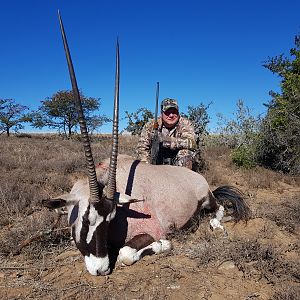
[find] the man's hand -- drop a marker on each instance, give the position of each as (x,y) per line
(176,143)
(155,146)
(157,136)
(166,141)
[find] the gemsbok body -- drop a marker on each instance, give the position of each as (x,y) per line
(132,206)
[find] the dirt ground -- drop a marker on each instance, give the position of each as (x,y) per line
(257,260)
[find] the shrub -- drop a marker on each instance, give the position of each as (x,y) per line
(241,134)
(279,147)
(243,156)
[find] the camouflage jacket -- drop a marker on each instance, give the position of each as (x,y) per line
(182,136)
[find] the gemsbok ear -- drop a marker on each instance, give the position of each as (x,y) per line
(54,203)
(125,199)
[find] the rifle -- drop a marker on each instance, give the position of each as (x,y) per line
(155,145)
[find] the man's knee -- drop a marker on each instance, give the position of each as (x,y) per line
(184,158)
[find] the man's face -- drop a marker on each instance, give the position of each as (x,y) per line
(170,117)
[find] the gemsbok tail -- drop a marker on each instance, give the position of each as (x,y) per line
(233,199)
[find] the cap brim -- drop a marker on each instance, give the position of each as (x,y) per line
(168,107)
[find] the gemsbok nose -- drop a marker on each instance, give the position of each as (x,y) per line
(97,265)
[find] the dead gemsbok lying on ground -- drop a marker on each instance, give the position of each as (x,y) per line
(129,205)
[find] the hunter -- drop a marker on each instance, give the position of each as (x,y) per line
(177,143)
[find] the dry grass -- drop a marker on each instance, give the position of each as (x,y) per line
(259,177)
(286,215)
(38,168)
(287,293)
(256,258)
(213,155)
(221,171)
(41,167)
(45,166)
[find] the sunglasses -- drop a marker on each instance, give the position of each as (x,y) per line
(173,111)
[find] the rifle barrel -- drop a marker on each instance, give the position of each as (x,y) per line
(155,141)
(156,106)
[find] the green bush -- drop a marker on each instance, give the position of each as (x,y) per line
(240,133)
(279,145)
(243,156)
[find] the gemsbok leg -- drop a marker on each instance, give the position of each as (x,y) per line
(226,195)
(139,246)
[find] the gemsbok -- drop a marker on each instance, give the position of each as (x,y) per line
(129,205)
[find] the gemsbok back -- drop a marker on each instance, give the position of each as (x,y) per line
(129,205)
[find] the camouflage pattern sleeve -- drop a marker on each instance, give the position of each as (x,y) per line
(185,137)
(144,144)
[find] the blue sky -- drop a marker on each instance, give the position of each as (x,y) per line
(199,51)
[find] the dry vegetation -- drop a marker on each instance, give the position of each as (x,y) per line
(257,260)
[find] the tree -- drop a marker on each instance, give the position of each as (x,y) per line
(137,120)
(242,128)
(12,116)
(198,115)
(200,119)
(59,112)
(279,146)
(241,134)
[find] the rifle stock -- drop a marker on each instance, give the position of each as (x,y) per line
(155,144)
(155,147)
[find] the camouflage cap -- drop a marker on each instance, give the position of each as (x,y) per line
(168,103)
